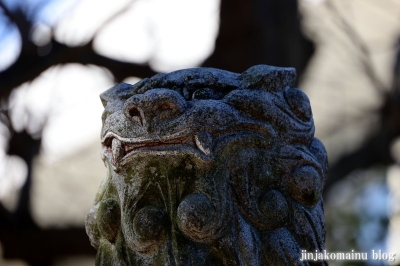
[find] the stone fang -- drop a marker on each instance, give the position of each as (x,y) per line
(203,140)
(117,149)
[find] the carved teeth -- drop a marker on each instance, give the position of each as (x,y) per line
(117,149)
(204,141)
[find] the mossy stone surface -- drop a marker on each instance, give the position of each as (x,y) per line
(209,167)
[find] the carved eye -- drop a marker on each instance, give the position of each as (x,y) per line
(166,110)
(165,107)
(206,93)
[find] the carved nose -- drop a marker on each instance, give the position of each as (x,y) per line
(154,106)
(133,112)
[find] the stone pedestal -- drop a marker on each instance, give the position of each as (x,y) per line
(209,167)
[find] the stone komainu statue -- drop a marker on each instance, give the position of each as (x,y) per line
(209,167)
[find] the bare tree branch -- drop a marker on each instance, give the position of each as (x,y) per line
(19,18)
(124,9)
(365,58)
(377,149)
(30,64)
(27,68)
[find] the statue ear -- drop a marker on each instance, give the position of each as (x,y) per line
(104,99)
(269,78)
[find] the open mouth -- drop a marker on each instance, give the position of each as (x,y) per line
(117,148)
(199,141)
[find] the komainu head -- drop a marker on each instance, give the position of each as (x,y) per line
(209,167)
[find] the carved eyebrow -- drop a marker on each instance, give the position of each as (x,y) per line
(207,93)
(192,80)
(269,78)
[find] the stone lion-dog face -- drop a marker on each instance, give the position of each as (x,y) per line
(209,167)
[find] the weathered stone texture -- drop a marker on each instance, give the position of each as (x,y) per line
(209,167)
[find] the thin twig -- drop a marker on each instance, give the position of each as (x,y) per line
(365,59)
(124,9)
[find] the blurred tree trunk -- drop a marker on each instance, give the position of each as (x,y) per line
(260,32)
(22,144)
